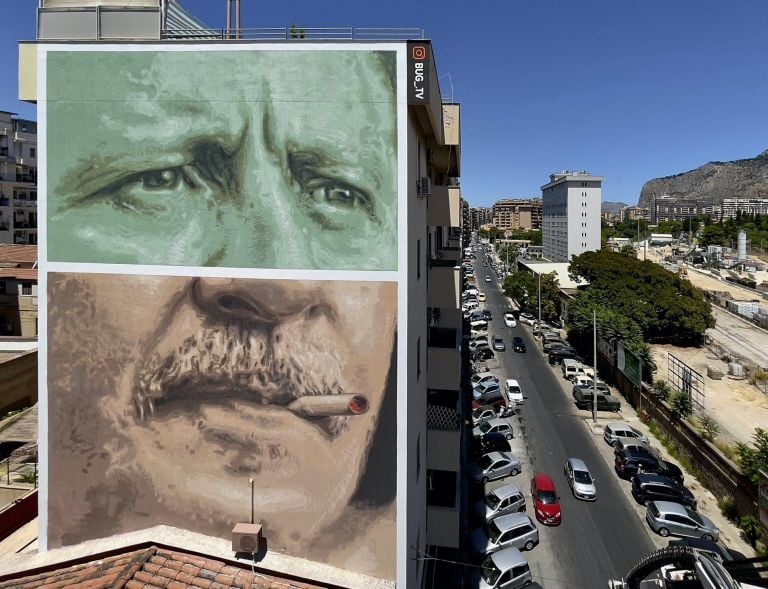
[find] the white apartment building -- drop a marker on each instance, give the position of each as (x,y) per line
(571,215)
(749,206)
(18,180)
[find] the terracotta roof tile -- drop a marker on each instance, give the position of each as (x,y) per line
(18,253)
(153,568)
(19,273)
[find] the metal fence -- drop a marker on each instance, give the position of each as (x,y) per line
(299,34)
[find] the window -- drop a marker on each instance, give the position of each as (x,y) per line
(418,259)
(32,152)
(26,288)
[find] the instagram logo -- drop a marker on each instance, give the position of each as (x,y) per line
(419,53)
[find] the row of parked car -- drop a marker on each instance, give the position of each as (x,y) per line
(658,484)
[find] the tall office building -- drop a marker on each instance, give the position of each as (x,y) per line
(18,180)
(274,289)
(571,215)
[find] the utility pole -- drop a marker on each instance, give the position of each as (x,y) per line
(594,356)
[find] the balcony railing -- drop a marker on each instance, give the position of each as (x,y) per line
(28,178)
(25,203)
(298,34)
(25,225)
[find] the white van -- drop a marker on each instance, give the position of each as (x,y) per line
(571,368)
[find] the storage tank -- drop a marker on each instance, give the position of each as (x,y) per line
(742,246)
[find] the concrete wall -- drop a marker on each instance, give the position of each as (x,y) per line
(18,382)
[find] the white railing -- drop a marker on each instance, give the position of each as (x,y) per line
(299,34)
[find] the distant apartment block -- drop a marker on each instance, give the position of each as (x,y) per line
(517,214)
(635,213)
(18,180)
(480,216)
(748,206)
(680,208)
(571,215)
(18,290)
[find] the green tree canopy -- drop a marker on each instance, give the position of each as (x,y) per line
(664,307)
(523,287)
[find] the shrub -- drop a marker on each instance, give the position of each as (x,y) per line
(680,402)
(661,389)
(710,429)
(28,476)
(752,529)
(728,508)
(726,449)
(752,459)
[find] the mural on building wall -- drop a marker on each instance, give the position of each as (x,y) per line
(251,158)
(181,389)
(167,393)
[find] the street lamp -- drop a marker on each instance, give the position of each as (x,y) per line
(594,356)
(539,300)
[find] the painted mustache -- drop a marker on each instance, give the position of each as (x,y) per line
(228,364)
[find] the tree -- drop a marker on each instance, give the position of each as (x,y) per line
(680,402)
(753,458)
(523,287)
(518,286)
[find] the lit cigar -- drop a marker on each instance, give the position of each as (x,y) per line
(327,405)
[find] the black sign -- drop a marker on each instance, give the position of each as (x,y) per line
(419,66)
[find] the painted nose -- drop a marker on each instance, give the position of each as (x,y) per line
(263,302)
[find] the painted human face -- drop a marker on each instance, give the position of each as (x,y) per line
(268,159)
(200,384)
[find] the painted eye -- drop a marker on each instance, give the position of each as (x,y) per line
(338,195)
(166,179)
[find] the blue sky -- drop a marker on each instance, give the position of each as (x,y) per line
(627,90)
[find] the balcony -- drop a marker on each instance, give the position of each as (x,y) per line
(92,23)
(443,206)
(443,430)
(26,178)
(22,136)
(24,203)
(25,225)
(443,359)
(443,508)
(444,284)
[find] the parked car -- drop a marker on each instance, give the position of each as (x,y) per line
(514,392)
(671,471)
(482,353)
(580,479)
(653,487)
(585,398)
(546,503)
(527,318)
(496,401)
(518,344)
(556,323)
(505,569)
(478,342)
(501,501)
(498,344)
(628,463)
(555,357)
(487,315)
(667,518)
(509,320)
(494,465)
(486,391)
(497,442)
(617,429)
(481,297)
(498,425)
(513,530)
(479,377)
(484,413)
(553,344)
(635,444)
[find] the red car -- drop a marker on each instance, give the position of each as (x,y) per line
(495,402)
(546,503)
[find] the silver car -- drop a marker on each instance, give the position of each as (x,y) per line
(667,518)
(619,429)
(483,414)
(580,479)
(501,501)
(515,530)
(505,569)
(494,465)
(498,425)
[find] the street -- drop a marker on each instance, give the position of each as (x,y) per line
(596,541)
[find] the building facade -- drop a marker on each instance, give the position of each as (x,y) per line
(749,206)
(18,180)
(678,208)
(517,214)
(18,290)
(316,337)
(481,216)
(634,213)
(571,215)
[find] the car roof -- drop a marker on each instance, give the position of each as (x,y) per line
(670,507)
(650,477)
(578,464)
(511,382)
(511,520)
(543,482)
(619,425)
(506,490)
(496,455)
(517,338)
(508,558)
(498,420)
(486,407)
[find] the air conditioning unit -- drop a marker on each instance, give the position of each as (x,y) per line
(425,186)
(246,538)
